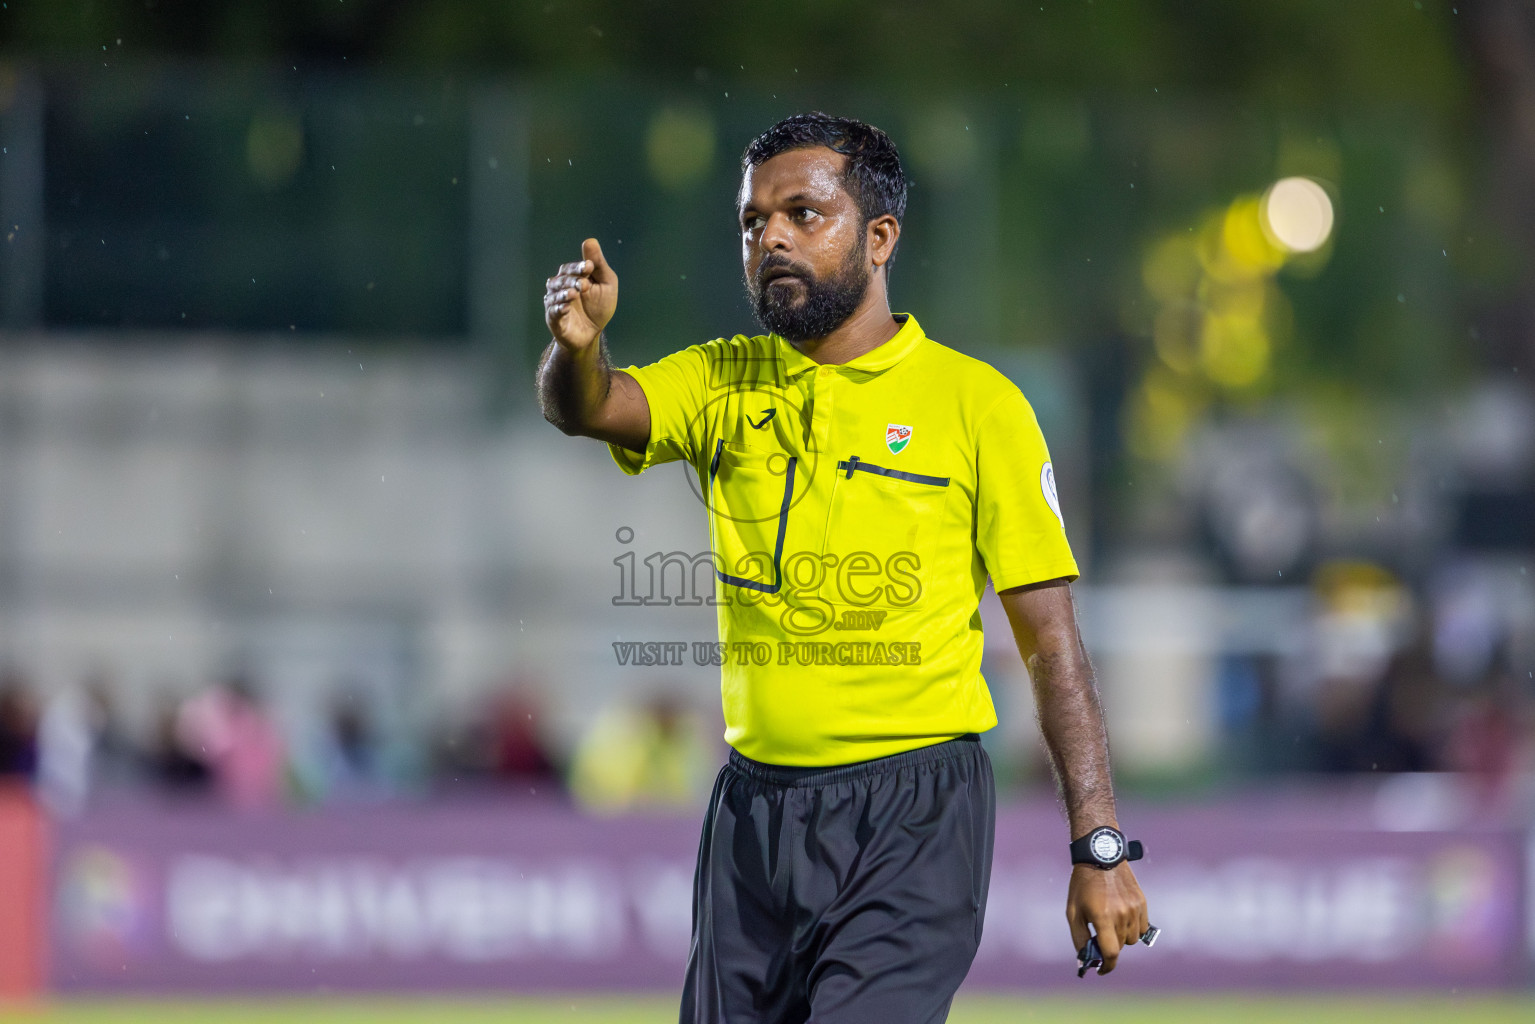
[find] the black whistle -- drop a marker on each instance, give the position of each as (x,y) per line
(1089,957)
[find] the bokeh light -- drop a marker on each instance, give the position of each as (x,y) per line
(1220,316)
(679,146)
(274,148)
(1297,214)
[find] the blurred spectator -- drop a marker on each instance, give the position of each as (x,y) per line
(1405,726)
(242,746)
(517,748)
(64,741)
(18,725)
(1468,623)
(175,763)
(504,742)
(350,758)
(81,747)
(1490,736)
(1362,617)
(1249,709)
(652,756)
(1254,504)
(116,758)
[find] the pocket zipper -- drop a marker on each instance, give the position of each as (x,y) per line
(855,464)
(783,518)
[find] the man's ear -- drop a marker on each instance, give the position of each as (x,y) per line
(882,234)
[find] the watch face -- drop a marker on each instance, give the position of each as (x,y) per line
(1106,846)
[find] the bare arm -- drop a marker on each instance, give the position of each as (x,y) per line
(1071,720)
(1065,699)
(578,389)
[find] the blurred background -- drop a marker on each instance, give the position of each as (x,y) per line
(284,539)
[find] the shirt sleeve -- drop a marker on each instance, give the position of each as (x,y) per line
(1019,530)
(674,388)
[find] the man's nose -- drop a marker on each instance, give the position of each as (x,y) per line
(776,236)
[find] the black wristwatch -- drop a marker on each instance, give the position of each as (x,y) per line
(1105,847)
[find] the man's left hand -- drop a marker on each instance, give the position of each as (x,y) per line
(1112,902)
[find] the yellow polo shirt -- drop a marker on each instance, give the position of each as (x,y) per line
(855,512)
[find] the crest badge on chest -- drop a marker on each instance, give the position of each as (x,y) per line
(897,437)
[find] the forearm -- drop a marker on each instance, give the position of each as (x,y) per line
(1044,620)
(574,384)
(1071,722)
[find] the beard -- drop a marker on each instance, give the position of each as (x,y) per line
(813,307)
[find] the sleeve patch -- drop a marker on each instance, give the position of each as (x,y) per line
(1047,486)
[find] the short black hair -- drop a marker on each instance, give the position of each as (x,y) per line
(874,176)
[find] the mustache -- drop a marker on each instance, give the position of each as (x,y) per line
(778,262)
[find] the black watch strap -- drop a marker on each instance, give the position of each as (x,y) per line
(1105,847)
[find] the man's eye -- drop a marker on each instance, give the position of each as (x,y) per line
(804,213)
(753,223)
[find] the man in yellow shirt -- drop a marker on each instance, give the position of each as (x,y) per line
(862,482)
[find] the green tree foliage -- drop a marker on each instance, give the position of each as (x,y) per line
(1303,53)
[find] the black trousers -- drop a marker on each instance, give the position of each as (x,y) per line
(847,894)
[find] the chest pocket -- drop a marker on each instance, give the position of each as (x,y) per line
(881,530)
(750,491)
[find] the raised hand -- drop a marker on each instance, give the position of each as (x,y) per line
(580,298)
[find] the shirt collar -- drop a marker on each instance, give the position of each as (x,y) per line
(893,351)
(880,358)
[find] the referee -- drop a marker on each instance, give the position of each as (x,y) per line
(863,481)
